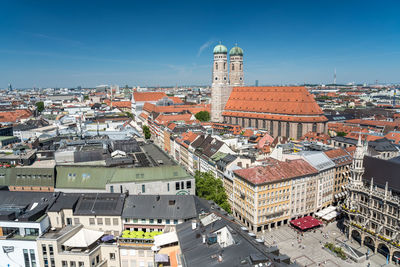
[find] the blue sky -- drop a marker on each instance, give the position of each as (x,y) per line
(151,43)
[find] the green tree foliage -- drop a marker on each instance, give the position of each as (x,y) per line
(203,115)
(85,97)
(341,134)
(40,106)
(129,114)
(211,188)
(146,132)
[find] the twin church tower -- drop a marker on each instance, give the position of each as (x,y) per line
(222,80)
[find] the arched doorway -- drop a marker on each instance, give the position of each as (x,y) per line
(356,236)
(369,242)
(383,249)
(396,257)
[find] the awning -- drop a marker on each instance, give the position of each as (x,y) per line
(330,215)
(305,223)
(325,211)
(83,238)
(165,239)
(161,258)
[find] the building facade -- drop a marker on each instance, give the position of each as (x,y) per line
(372,214)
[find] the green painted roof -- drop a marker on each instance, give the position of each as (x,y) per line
(236,51)
(220,49)
(217,156)
(2,138)
(98,177)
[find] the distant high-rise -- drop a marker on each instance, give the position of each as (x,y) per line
(256,84)
(9,87)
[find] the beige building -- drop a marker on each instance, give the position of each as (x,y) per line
(94,211)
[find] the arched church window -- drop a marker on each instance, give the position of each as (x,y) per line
(299,130)
(216,78)
(233,66)
(224,65)
(216,66)
(224,78)
(240,67)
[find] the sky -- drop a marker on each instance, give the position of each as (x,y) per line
(167,43)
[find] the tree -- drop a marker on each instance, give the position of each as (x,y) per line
(203,115)
(129,114)
(211,188)
(146,132)
(85,97)
(341,134)
(40,106)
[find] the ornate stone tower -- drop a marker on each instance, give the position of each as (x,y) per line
(357,169)
(236,66)
(220,90)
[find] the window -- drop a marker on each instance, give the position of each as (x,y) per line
(112,256)
(141,253)
(69,221)
(81,264)
(51,251)
(115,221)
(76,221)
(33,257)
(91,221)
(44,250)
(97,259)
(99,221)
(150,264)
(175,221)
(112,189)
(189,184)
(26,258)
(64,264)
(182,185)
(143,220)
(72,264)
(132,252)
(151,220)
(32,231)
(168,187)
(107,221)
(177,187)
(52,262)
(143,188)
(159,221)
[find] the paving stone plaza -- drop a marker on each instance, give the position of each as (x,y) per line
(307,250)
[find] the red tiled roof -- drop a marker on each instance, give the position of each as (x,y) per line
(176,99)
(278,170)
(14,115)
(374,123)
(276,117)
(275,99)
(118,104)
(339,156)
(248,133)
(163,118)
(393,136)
(148,96)
(149,107)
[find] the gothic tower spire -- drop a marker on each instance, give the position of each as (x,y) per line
(357,169)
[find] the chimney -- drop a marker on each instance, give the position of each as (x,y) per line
(194,225)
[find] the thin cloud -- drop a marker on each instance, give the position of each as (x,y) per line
(204,46)
(55,38)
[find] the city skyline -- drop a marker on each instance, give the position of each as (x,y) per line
(64,44)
